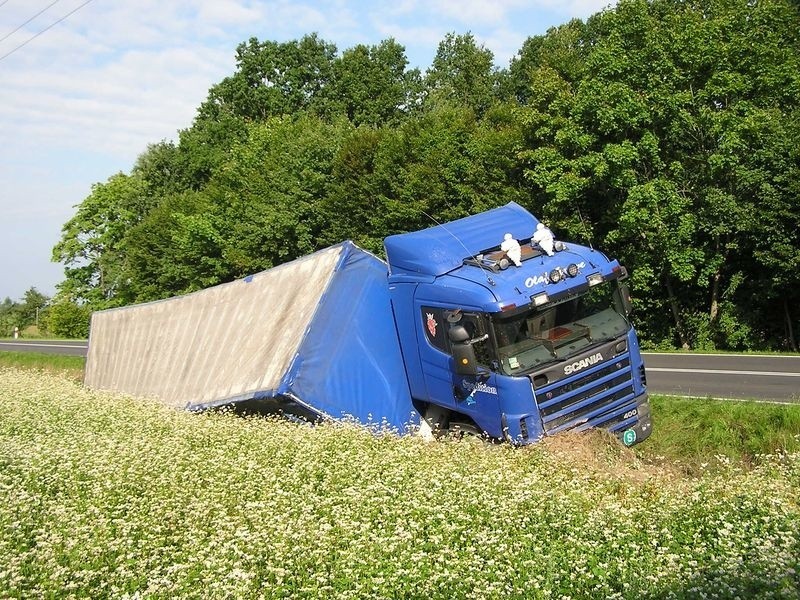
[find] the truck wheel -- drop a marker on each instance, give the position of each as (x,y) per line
(433,422)
(462,429)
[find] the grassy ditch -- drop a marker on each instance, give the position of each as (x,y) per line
(694,434)
(103,496)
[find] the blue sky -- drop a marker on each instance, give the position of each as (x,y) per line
(82,100)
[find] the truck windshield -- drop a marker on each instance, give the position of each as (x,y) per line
(555,332)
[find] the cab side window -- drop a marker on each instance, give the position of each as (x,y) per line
(437,322)
(435,326)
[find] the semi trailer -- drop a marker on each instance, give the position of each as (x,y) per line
(484,325)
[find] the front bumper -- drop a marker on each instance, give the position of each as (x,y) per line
(642,428)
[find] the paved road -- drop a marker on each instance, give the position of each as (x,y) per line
(56,347)
(703,375)
(725,376)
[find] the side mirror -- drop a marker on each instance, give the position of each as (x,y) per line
(625,294)
(458,334)
(464,359)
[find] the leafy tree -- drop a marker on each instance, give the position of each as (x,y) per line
(92,242)
(9,317)
(371,86)
(668,143)
(204,146)
(33,303)
(564,50)
(31,310)
(162,170)
(174,250)
(665,131)
(69,320)
(439,166)
(462,73)
(274,79)
(266,199)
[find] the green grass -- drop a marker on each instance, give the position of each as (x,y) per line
(54,363)
(103,496)
(692,432)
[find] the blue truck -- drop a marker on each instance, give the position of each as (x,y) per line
(454,332)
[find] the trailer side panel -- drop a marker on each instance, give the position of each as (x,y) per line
(235,340)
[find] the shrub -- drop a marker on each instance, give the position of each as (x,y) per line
(69,320)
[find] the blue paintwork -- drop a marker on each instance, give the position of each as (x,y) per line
(427,268)
(440,249)
(439,254)
(366,353)
(349,362)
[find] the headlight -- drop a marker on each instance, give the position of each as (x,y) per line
(556,275)
(572,270)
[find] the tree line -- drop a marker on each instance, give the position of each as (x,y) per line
(665,132)
(36,315)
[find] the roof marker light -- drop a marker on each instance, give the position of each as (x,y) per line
(594,279)
(540,299)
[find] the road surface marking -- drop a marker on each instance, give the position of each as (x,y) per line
(720,372)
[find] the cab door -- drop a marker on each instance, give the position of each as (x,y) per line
(473,395)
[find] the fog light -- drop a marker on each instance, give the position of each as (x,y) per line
(556,276)
(572,270)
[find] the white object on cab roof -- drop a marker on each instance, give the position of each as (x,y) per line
(512,249)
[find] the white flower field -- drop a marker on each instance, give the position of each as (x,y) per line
(107,497)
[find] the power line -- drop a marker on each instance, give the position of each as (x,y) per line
(3,2)
(73,11)
(10,33)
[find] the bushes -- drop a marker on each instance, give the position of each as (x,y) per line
(69,320)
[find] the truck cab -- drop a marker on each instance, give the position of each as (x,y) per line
(515,351)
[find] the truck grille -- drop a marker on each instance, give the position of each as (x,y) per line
(595,398)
